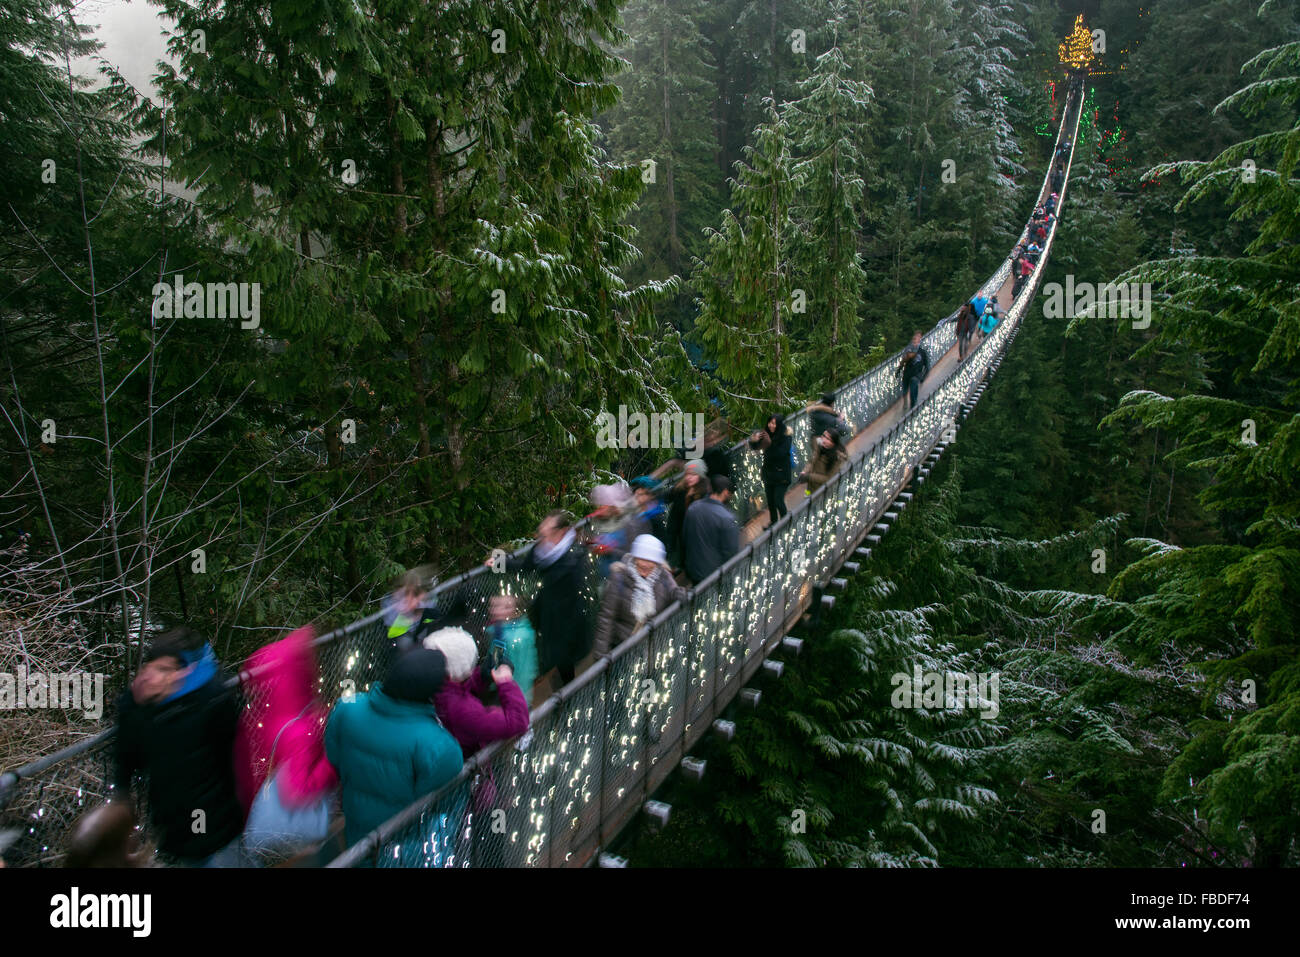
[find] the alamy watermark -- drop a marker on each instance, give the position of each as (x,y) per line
(209,300)
(69,691)
(1109,300)
(946,690)
(77,910)
(658,430)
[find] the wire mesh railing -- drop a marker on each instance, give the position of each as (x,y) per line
(605,741)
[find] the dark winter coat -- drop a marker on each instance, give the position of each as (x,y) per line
(710,536)
(776,455)
(916,364)
(677,506)
(559,612)
(717,459)
(616,623)
(185,747)
(823,417)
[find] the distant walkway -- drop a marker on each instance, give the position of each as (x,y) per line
(866,438)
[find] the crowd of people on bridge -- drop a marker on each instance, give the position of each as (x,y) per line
(258,773)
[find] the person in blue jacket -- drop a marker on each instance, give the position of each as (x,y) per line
(387,744)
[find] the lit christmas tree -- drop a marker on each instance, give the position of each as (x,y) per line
(1076,51)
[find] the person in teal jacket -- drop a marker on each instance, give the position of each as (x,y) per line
(388,746)
(512,634)
(992,316)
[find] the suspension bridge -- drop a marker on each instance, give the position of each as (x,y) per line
(598,749)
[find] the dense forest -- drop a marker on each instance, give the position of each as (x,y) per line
(473,227)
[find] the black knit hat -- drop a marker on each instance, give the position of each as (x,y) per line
(416,676)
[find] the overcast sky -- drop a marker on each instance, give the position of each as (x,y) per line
(132,34)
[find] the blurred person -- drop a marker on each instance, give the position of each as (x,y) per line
(461,710)
(830,455)
(775,440)
(387,744)
(511,636)
(176,725)
(559,611)
(650,507)
(615,523)
(475,724)
(712,449)
(711,534)
(823,416)
(411,611)
(966,321)
(1024,268)
(640,587)
(915,364)
(717,460)
(105,836)
(694,485)
(282,774)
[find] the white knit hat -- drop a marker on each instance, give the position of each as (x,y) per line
(649,548)
(458,647)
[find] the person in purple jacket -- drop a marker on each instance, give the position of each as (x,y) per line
(460,707)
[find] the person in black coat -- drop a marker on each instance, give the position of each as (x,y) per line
(559,612)
(778,471)
(822,416)
(176,724)
(914,366)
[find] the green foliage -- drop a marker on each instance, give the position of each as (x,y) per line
(746,279)
(828,123)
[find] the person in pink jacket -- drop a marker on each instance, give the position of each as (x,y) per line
(459,704)
(285,716)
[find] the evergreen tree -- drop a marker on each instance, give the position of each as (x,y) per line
(746,279)
(443,240)
(126,442)
(1236,604)
(826,123)
(659,120)
(988,167)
